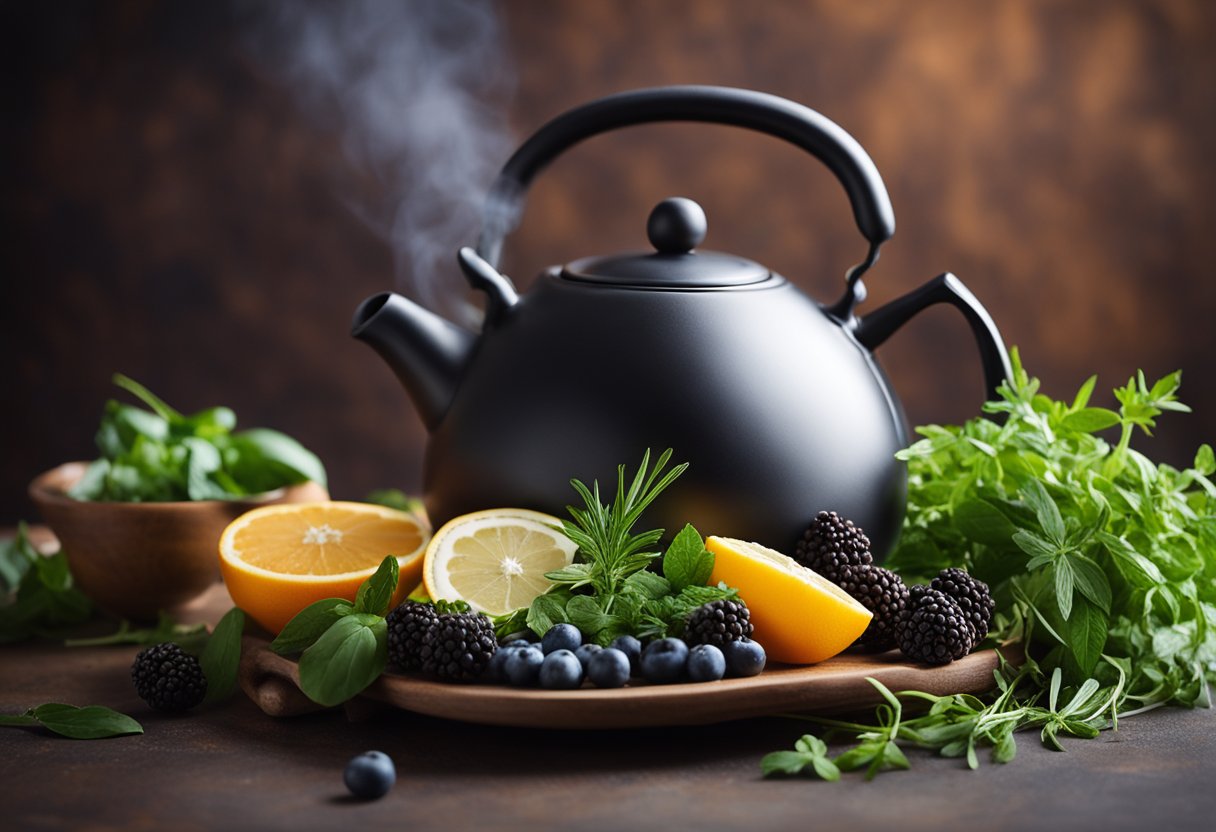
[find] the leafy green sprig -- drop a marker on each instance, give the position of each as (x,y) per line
(37,594)
(160,454)
(610,591)
(1103,563)
(90,722)
(343,646)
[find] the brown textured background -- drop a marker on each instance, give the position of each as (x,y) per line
(169,213)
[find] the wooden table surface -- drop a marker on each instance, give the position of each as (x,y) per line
(233,767)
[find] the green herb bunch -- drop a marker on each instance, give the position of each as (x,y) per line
(343,647)
(37,594)
(610,591)
(1102,563)
(160,455)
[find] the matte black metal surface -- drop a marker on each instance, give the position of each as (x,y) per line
(778,411)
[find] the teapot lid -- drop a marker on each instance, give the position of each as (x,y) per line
(676,227)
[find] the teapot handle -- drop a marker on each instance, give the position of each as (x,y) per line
(876,327)
(780,117)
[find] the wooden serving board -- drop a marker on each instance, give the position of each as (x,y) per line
(839,684)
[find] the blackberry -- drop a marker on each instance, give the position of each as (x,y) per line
(717,623)
(459,646)
(407,628)
(972,597)
(168,678)
(933,629)
(832,546)
(883,593)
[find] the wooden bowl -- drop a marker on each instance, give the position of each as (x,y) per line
(135,559)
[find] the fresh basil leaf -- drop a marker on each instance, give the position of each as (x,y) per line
(203,461)
(87,723)
(376,593)
(1092,582)
(981,521)
(1045,509)
(308,625)
(348,657)
(687,561)
(1086,633)
(222,656)
(269,460)
(92,485)
(1090,420)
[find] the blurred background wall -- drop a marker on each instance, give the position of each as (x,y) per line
(198,194)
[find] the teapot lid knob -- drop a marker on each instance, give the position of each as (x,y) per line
(676,225)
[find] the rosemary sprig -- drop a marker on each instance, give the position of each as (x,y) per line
(611,551)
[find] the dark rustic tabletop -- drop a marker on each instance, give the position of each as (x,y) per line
(233,767)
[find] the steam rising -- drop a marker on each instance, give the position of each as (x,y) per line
(418,90)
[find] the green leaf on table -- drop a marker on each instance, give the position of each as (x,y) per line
(308,625)
(687,562)
(88,723)
(348,657)
(222,656)
(376,593)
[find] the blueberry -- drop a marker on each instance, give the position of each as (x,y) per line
(517,642)
(370,775)
(744,658)
(706,663)
(631,647)
(495,672)
(585,652)
(663,660)
(521,667)
(561,637)
(561,670)
(608,668)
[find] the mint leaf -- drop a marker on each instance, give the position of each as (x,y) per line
(308,625)
(1205,460)
(1091,581)
(547,610)
(1085,632)
(348,657)
(376,593)
(585,613)
(222,656)
(646,585)
(687,561)
(1090,420)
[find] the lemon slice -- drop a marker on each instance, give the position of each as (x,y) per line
(495,560)
(799,616)
(278,559)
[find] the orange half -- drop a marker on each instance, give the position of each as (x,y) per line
(277,560)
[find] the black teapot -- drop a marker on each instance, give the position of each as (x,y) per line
(775,400)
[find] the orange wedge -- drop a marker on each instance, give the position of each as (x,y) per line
(799,616)
(277,560)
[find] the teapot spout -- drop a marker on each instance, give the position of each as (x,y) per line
(428,353)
